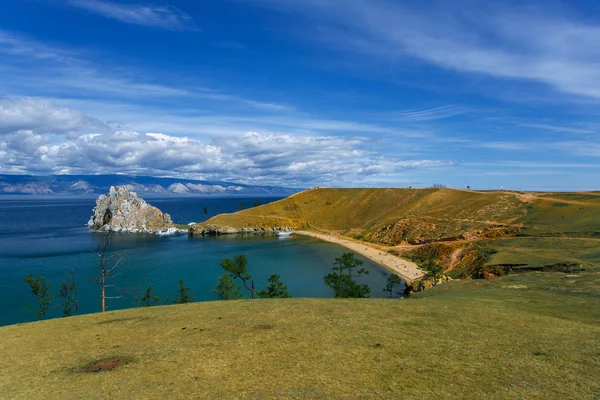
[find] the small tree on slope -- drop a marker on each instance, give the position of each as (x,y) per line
(341,278)
(276,289)
(68,292)
(42,292)
(392,281)
(238,269)
(227,289)
(434,270)
(183,294)
(149,298)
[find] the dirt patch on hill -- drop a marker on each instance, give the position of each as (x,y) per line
(106,364)
(454,259)
(526,197)
(264,327)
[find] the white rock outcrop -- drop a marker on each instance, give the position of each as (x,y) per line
(123,211)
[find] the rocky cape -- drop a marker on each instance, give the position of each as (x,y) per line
(123,211)
(211,229)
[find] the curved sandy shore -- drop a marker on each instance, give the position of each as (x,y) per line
(406,269)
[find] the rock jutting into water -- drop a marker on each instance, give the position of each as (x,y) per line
(202,230)
(123,211)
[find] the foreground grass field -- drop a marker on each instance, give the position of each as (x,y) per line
(529,336)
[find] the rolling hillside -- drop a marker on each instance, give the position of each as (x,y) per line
(532,335)
(470,233)
(529,336)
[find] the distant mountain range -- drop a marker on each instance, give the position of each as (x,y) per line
(142,185)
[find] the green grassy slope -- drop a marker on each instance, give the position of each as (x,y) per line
(530,336)
(522,228)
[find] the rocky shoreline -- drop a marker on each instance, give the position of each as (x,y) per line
(217,230)
(159,232)
(121,210)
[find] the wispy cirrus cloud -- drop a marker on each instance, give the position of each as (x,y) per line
(524,43)
(431,114)
(193,120)
(37,68)
(533,164)
(165,17)
(557,128)
(579,147)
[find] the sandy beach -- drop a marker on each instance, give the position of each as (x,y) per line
(406,269)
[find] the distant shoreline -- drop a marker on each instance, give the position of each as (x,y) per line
(407,270)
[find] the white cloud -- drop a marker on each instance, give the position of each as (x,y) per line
(42,116)
(533,164)
(195,121)
(556,128)
(538,44)
(165,17)
(582,148)
(50,70)
(431,114)
(508,146)
(267,158)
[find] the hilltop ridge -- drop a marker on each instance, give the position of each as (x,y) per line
(472,233)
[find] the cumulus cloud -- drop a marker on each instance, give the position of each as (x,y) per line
(165,17)
(39,137)
(253,158)
(42,116)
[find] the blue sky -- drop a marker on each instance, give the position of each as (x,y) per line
(305,92)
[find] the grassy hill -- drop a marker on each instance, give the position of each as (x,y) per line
(470,233)
(528,336)
(532,335)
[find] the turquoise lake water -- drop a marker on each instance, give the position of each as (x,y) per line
(49,237)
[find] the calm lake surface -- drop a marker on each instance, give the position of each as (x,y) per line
(49,237)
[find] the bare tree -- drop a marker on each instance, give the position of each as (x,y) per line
(108,265)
